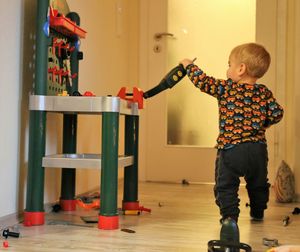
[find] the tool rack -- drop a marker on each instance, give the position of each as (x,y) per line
(43,101)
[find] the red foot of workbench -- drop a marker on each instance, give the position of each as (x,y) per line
(133,205)
(68,205)
(108,222)
(34,218)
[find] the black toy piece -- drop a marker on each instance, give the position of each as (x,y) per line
(6,233)
(296,210)
(229,239)
(169,81)
(76,93)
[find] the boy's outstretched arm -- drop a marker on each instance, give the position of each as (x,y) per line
(207,84)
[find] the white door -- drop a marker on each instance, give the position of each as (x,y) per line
(204,29)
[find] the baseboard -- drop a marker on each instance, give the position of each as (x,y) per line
(297,197)
(10,220)
(184,181)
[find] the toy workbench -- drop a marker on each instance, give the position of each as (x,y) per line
(55,90)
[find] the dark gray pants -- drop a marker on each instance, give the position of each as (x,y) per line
(248,160)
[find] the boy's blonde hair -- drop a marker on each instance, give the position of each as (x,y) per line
(254,56)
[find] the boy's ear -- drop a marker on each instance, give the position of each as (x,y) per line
(242,69)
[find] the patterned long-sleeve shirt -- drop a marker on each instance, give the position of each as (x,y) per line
(245,110)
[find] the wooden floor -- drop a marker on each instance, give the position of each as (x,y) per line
(184,218)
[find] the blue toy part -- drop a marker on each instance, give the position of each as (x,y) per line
(77,44)
(46,26)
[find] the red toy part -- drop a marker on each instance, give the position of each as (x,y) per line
(5,244)
(94,205)
(88,93)
(135,96)
(68,205)
(131,205)
(34,218)
(108,222)
(57,44)
(142,208)
(65,25)
(74,75)
(134,206)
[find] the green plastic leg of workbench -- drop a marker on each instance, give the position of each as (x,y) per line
(34,212)
(108,216)
(130,197)
(68,176)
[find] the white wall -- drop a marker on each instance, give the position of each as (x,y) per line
(10,89)
(110,62)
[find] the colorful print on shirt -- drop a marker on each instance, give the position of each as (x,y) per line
(245,110)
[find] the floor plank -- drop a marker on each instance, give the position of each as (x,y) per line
(183,218)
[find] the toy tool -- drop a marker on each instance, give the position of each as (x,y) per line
(229,239)
(169,81)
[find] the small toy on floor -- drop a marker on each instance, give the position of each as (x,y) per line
(285,248)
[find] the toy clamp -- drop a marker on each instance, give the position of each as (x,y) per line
(135,96)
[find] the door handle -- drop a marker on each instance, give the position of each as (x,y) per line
(158,36)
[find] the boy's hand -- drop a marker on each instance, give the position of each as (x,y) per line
(186,62)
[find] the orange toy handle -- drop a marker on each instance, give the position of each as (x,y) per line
(93,205)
